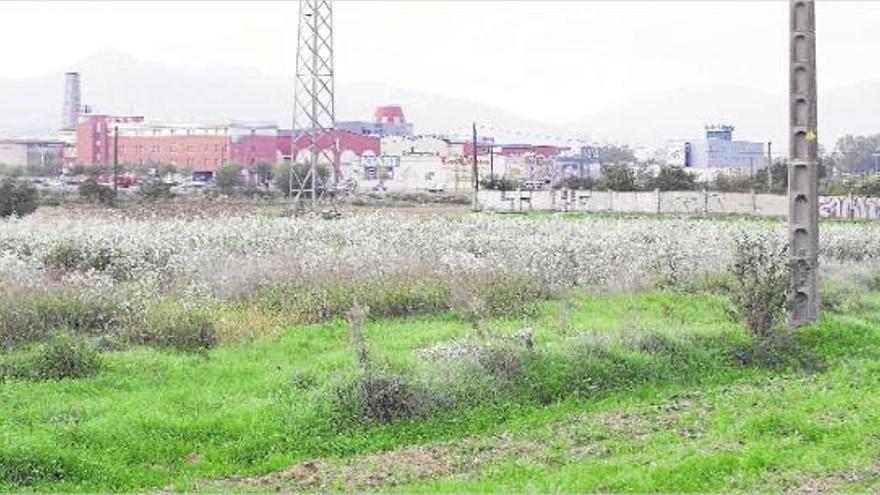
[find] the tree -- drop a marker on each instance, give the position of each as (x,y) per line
(228,177)
(674,179)
(573,182)
(93,192)
(264,172)
(610,154)
(618,177)
(723,182)
(645,178)
(856,153)
(282,178)
(17,197)
(154,189)
(778,178)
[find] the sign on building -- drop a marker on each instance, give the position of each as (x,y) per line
(384,161)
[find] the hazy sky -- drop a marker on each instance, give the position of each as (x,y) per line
(553,61)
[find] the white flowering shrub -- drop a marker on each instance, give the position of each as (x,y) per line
(201,260)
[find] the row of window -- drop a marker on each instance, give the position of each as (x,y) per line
(173,149)
(189,161)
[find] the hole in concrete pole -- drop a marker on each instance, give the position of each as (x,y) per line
(801,210)
(801,242)
(801,49)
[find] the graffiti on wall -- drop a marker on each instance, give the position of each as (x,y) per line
(849,207)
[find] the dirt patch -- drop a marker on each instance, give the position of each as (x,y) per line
(407,465)
(638,424)
(837,481)
(464,458)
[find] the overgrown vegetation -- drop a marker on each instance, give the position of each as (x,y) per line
(172,325)
(90,190)
(154,189)
(60,356)
(17,198)
(467,335)
(761,269)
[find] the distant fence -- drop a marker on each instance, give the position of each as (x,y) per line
(688,202)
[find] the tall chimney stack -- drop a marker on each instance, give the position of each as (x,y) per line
(70,114)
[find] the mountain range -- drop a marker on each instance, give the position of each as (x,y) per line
(117,83)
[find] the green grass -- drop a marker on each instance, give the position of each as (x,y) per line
(152,418)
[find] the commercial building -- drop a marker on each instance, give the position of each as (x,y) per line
(31,152)
(387,121)
(719,151)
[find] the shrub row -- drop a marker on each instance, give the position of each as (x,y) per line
(495,369)
(499,294)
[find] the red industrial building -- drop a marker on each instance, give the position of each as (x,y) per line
(339,141)
(201,148)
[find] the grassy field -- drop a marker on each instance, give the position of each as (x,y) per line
(143,351)
(260,415)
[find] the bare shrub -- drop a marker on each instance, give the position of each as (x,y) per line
(761,292)
(379,395)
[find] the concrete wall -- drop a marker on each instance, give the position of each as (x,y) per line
(13,154)
(693,202)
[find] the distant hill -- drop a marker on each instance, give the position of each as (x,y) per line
(758,115)
(114,82)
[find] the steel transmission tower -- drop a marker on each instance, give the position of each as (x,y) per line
(803,177)
(316,177)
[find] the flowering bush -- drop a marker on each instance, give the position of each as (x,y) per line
(132,264)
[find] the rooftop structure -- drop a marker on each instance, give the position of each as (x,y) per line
(388,120)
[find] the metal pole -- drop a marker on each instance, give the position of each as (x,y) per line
(115,165)
(315,135)
(476,171)
(491,163)
(803,218)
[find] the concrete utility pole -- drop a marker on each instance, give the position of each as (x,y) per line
(803,216)
(476,172)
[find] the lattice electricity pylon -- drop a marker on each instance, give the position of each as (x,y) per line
(314,179)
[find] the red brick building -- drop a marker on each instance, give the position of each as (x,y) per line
(200,148)
(342,143)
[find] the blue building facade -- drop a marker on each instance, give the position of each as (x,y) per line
(719,150)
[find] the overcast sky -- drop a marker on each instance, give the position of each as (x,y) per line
(553,61)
